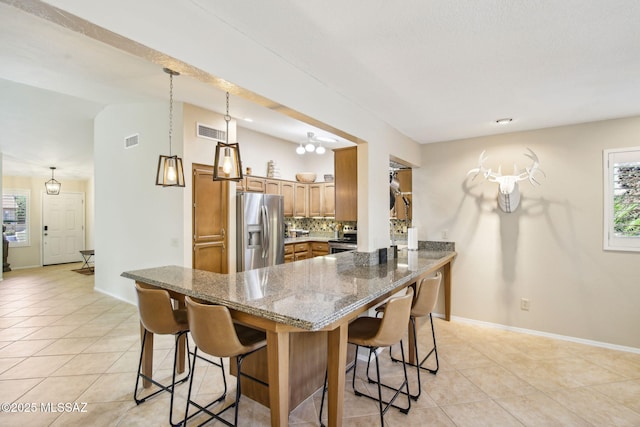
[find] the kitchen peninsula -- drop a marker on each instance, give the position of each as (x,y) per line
(306,304)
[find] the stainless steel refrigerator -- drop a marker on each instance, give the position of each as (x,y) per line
(260,230)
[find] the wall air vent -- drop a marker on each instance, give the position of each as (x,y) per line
(131,140)
(204,131)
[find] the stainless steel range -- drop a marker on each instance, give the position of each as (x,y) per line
(348,243)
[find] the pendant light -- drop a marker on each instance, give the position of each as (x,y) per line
(52,186)
(227,165)
(170,171)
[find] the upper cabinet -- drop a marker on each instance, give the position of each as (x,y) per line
(301,200)
(322,199)
(272,186)
(254,183)
(346,184)
(287,189)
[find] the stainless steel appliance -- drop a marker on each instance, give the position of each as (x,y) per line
(347,243)
(260,230)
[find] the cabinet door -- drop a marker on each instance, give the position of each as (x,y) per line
(254,184)
(316,193)
(272,186)
(329,199)
(210,256)
(301,200)
(319,248)
(209,220)
(302,255)
(346,183)
(287,191)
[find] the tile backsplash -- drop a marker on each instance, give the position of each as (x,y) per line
(327,226)
(318,226)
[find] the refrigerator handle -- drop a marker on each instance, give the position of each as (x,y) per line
(265,232)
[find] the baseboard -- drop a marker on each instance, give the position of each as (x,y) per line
(543,334)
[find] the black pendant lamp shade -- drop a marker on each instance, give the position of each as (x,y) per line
(52,186)
(170,172)
(227,165)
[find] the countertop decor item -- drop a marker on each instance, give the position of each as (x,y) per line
(328,178)
(306,177)
(170,172)
(273,171)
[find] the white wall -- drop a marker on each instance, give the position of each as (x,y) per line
(550,249)
(255,67)
(31,256)
(138,224)
(257,149)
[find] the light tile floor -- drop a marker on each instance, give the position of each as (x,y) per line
(62,342)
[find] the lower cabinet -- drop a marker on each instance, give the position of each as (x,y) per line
(300,251)
(319,248)
(210,256)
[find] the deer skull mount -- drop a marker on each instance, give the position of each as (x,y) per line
(508,192)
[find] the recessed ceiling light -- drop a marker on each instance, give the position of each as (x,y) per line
(248,119)
(504,121)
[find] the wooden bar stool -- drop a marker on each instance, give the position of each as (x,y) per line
(158,316)
(214,332)
(374,333)
(423,305)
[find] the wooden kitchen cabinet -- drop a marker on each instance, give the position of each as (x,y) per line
(316,196)
(404,177)
(254,184)
(301,200)
(272,186)
(288,192)
(329,205)
(319,248)
(346,184)
(296,252)
(209,220)
(322,199)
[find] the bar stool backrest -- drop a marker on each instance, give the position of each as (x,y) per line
(212,329)
(394,321)
(156,311)
(427,296)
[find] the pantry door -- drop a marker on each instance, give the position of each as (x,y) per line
(62,228)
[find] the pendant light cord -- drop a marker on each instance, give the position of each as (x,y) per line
(227,118)
(170,110)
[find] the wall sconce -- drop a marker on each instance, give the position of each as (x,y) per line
(227,165)
(170,172)
(52,186)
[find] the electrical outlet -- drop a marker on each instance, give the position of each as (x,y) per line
(524,304)
(445,234)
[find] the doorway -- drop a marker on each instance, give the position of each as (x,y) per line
(62,228)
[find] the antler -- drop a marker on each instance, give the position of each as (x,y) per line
(491,176)
(529,173)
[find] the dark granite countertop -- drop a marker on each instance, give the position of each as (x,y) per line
(308,294)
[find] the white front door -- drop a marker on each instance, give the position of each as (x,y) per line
(62,228)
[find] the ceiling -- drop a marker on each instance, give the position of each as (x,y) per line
(433,70)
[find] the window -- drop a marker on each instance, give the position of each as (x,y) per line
(15,217)
(622,199)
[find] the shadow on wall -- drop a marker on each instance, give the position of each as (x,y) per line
(509,223)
